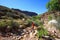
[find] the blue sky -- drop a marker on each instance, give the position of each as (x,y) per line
(38,6)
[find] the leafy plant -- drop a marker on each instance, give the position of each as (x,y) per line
(53,5)
(3,24)
(42,32)
(36,20)
(10,23)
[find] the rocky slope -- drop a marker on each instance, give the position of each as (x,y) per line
(14,24)
(23,34)
(26,12)
(51,23)
(14,13)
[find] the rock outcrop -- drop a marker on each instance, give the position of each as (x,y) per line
(52,24)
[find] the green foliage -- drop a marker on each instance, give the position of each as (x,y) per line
(2,24)
(15,24)
(36,17)
(29,21)
(36,20)
(10,23)
(42,32)
(53,5)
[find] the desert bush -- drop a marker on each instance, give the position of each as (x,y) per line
(8,26)
(10,23)
(42,32)
(29,22)
(3,24)
(21,16)
(36,17)
(13,24)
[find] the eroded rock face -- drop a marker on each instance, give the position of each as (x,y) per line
(53,24)
(52,28)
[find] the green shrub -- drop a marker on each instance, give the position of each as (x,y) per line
(3,24)
(13,24)
(53,5)
(29,22)
(9,23)
(36,17)
(42,32)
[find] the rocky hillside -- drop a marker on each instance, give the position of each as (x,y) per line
(51,23)
(26,12)
(15,25)
(14,13)
(14,18)
(53,14)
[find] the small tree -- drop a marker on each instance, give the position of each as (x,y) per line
(53,5)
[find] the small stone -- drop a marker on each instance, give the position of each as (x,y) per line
(8,26)
(14,37)
(24,35)
(27,32)
(19,37)
(46,36)
(11,33)
(20,26)
(23,19)
(11,36)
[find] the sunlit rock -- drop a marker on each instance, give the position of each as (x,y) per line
(53,27)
